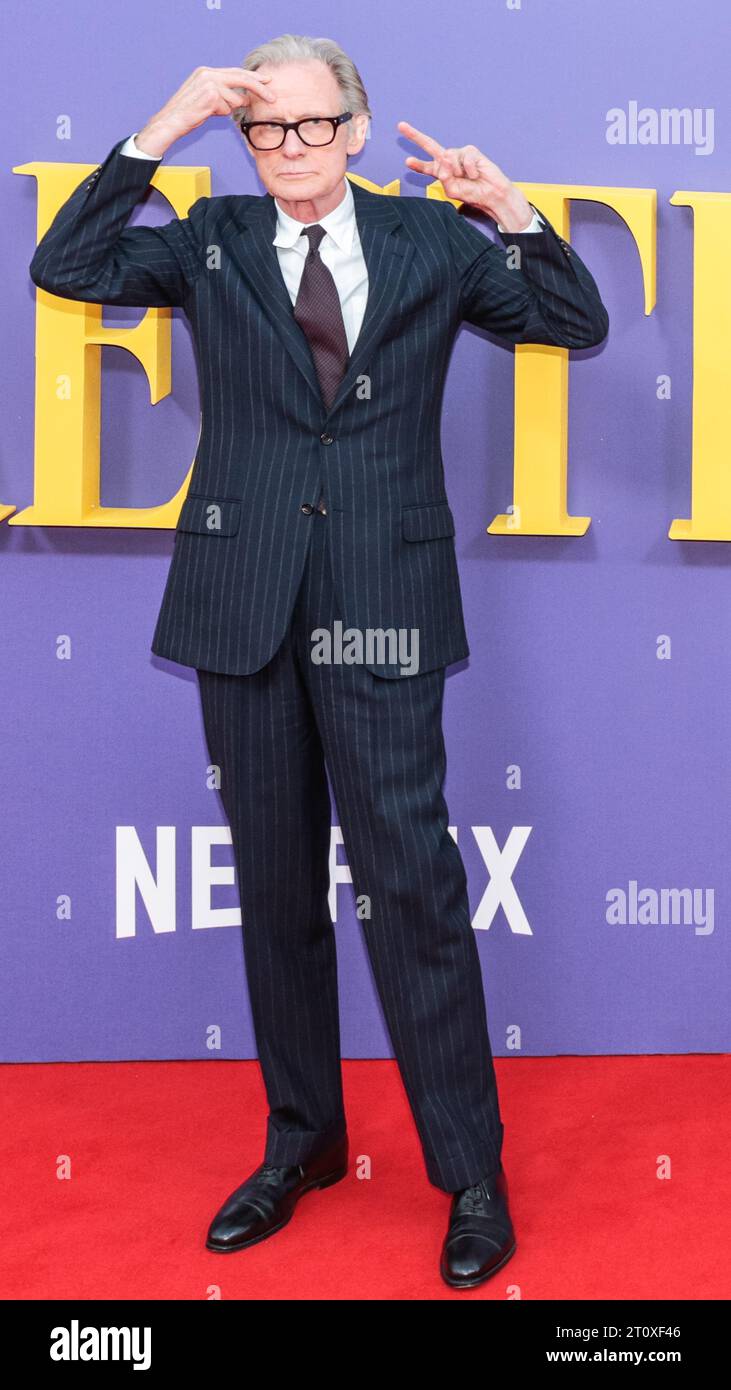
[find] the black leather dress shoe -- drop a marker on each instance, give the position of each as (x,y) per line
(480,1238)
(265,1202)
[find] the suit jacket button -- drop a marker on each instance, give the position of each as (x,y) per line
(307,508)
(326,439)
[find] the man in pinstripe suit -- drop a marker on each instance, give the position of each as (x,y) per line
(323,317)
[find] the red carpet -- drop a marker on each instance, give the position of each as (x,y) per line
(155,1148)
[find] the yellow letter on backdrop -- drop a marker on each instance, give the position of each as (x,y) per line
(69,339)
(540,459)
(710,518)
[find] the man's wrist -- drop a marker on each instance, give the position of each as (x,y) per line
(516,215)
(130,151)
(153,141)
(536,224)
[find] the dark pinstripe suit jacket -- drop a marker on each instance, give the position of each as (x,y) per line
(267,443)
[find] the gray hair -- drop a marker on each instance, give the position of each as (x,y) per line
(299,48)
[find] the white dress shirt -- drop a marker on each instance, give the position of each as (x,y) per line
(340,251)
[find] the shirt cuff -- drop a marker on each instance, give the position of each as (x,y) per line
(130,148)
(536,224)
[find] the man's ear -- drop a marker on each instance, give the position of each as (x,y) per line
(358,130)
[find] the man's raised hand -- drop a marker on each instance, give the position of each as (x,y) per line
(467,175)
(207,92)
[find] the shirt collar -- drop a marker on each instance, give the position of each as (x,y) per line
(339,224)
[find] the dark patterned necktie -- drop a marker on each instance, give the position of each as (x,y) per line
(318,312)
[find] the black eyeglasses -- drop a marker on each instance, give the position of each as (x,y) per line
(313,130)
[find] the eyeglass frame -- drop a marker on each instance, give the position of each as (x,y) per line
(284,126)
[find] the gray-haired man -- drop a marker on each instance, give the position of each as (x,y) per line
(323,327)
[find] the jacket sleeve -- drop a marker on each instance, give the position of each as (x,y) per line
(88,254)
(550,297)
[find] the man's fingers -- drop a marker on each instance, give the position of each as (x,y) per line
(427,143)
(248,81)
(444,165)
(463,189)
(420,166)
(244,97)
(232,97)
(237,75)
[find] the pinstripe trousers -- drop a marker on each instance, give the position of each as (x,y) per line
(272,734)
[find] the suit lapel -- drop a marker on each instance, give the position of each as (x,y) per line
(387,249)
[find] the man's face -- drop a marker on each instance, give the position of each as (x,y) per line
(297,171)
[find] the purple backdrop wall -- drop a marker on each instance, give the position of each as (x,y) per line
(625,759)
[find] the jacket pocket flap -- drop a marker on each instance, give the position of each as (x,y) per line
(211,516)
(428,522)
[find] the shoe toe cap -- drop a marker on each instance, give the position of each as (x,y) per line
(229,1229)
(472,1256)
